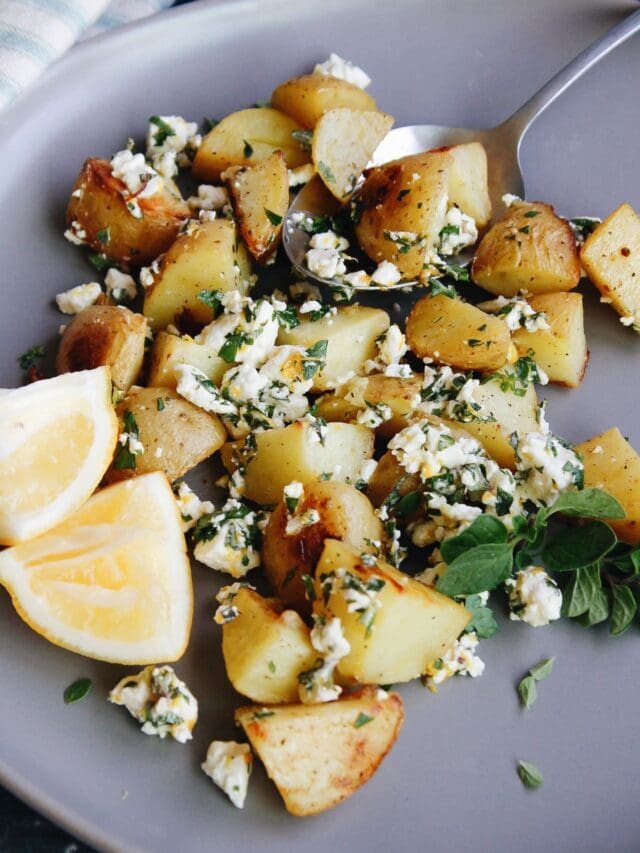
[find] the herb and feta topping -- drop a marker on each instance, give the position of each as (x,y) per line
(547,466)
(450,395)
(534,597)
(120,286)
(247,336)
(76,299)
(374,414)
(517,313)
(386,274)
(458,232)
(317,684)
(171,142)
(229,539)
(160,701)
(192,509)
(343,69)
(229,765)
(196,387)
(208,198)
(76,234)
(360,594)
(228,611)
(136,174)
(517,377)
(460,659)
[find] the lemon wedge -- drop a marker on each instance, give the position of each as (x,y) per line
(57,438)
(113,581)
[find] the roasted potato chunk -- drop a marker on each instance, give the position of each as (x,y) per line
(457,333)
(351,336)
(612,464)
(561,351)
(265,649)
(530,249)
(469,181)
(308,98)
(407,627)
(406,200)
(290,551)
(318,755)
(390,475)
(208,256)
(98,203)
(169,351)
(611,258)
(243,138)
(299,452)
(260,199)
(104,334)
(175,434)
(343,143)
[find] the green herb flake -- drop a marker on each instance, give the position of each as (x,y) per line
(531,213)
(542,670)
(325,173)
(524,229)
(28,358)
(272,666)
(260,715)
(527,691)
(160,404)
(247,150)
(274,218)
(362,720)
(163,132)
(124,458)
(304,138)
(77,691)
(529,775)
(309,588)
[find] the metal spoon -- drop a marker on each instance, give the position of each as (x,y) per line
(502,144)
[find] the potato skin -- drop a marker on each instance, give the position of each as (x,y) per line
(101,207)
(531,249)
(104,334)
(185,434)
(345,514)
(306,99)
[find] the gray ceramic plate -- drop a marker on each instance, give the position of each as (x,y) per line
(450,782)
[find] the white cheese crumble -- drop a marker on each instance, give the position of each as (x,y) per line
(229,765)
(509,198)
(132,442)
(374,414)
(460,659)
(549,466)
(386,274)
(208,197)
(147,275)
(192,509)
(301,175)
(197,388)
(534,597)
(120,286)
(325,263)
(135,173)
(160,701)
(359,278)
(76,234)
(229,539)
(228,610)
(248,336)
(517,313)
(171,142)
(299,522)
(317,684)
(76,299)
(458,232)
(343,69)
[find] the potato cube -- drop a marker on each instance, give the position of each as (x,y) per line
(457,333)
(318,755)
(175,434)
(611,258)
(265,649)
(306,99)
(561,351)
(469,181)
(390,475)
(344,514)
(612,464)
(207,257)
(530,249)
(301,452)
(260,198)
(351,334)
(343,143)
(169,351)
(405,629)
(104,334)
(243,138)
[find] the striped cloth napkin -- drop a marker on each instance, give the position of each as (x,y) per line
(34,33)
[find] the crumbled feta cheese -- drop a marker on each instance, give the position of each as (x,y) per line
(134,171)
(329,240)
(317,684)
(160,701)
(148,275)
(132,442)
(509,198)
(386,274)
(325,263)
(229,539)
(120,286)
(192,509)
(460,659)
(209,198)
(517,313)
(310,306)
(78,298)
(297,523)
(534,597)
(171,142)
(76,234)
(374,415)
(197,388)
(549,467)
(246,337)
(359,278)
(228,610)
(229,765)
(343,69)
(458,232)
(301,175)
(627,321)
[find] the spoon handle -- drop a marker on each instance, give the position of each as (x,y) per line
(520,121)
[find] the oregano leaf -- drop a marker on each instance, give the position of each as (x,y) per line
(577,547)
(623,609)
(486,529)
(477,570)
(588,503)
(582,588)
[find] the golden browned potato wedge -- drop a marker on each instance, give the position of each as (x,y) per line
(345,514)
(351,336)
(308,98)
(512,413)
(406,200)
(530,249)
(260,198)
(407,627)
(175,434)
(318,755)
(611,258)
(244,137)
(469,181)
(561,351)
(98,204)
(298,452)
(612,464)
(207,256)
(390,475)
(169,351)
(343,143)
(265,649)
(457,333)
(104,334)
